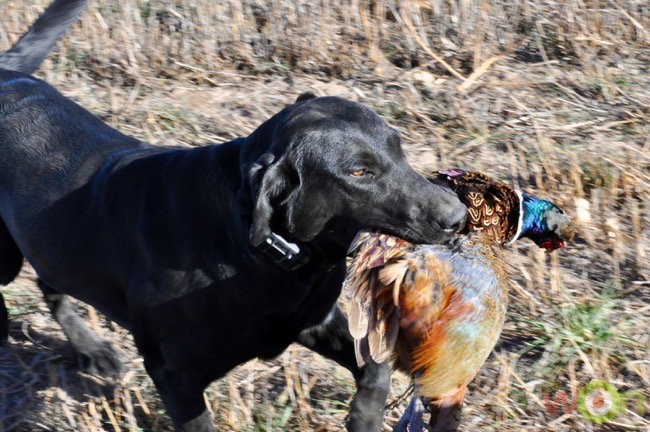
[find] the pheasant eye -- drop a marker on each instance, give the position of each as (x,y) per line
(359,172)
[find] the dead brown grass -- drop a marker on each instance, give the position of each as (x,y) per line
(553,97)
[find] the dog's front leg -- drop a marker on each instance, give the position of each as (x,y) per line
(201,423)
(182,393)
(333,340)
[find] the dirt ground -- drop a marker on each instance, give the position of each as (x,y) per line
(553,98)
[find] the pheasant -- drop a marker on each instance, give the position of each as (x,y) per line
(437,310)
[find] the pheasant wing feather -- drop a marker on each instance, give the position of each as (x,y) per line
(373,317)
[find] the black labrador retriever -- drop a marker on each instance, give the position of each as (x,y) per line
(210,256)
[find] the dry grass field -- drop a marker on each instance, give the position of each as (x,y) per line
(550,96)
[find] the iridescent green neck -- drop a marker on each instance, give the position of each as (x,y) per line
(532,219)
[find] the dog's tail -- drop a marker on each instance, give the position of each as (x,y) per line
(32,48)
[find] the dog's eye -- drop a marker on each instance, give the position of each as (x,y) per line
(361,172)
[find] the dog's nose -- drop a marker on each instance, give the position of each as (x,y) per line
(455,217)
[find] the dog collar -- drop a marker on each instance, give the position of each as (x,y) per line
(285,254)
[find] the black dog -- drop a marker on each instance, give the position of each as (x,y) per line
(210,256)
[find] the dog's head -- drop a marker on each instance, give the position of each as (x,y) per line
(324,168)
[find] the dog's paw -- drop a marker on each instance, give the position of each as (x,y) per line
(102,359)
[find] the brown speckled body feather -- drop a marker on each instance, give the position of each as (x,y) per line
(492,206)
(438,322)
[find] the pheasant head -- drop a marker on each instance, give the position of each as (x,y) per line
(506,214)
(543,222)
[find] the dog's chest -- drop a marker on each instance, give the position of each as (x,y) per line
(308,304)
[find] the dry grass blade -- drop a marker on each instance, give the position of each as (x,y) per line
(423,45)
(471,79)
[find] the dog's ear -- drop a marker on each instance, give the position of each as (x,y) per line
(267,180)
(305,96)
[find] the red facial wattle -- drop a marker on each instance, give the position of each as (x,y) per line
(553,244)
